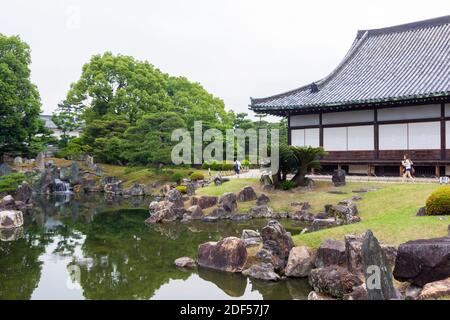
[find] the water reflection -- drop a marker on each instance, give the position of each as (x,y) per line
(114,255)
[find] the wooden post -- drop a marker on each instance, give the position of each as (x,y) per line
(339,166)
(437,171)
(401,171)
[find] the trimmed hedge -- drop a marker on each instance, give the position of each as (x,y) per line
(197,176)
(182,189)
(438,203)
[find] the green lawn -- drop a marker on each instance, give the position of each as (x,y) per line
(389,212)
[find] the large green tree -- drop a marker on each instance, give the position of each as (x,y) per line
(19,99)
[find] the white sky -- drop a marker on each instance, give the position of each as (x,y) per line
(234,48)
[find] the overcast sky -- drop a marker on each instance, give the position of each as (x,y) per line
(234,48)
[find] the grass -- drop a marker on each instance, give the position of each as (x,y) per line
(389,212)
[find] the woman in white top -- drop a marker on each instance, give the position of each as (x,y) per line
(407,172)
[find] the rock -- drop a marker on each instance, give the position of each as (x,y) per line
(377,272)
(423,261)
(278,242)
(268,188)
(205,202)
(74,173)
(303,215)
(195,212)
(336,192)
(358,293)
(163,215)
(362,190)
(246,194)
(24,192)
(40,161)
(260,212)
(220,213)
(301,205)
(300,262)
(89,184)
(357,198)
(7,201)
(319,224)
(266,180)
(89,162)
(64,174)
(136,190)
(229,254)
(175,197)
(333,280)
(190,189)
(13,234)
(412,292)
(435,290)
(44,182)
(262,200)
(165,189)
(331,252)
(11,219)
(240,217)
(5,170)
(228,201)
(219,180)
(18,161)
(421,212)
(185,262)
(319,296)
(262,271)
(353,253)
(113,188)
(321,215)
(338,178)
(345,211)
(210,219)
(251,237)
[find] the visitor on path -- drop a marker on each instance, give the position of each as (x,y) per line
(237,167)
(407,169)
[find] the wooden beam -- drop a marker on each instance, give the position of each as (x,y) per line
(443,133)
(376,136)
(320,130)
(289,128)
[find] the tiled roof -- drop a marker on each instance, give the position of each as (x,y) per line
(48,121)
(403,62)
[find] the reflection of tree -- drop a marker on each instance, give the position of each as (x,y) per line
(282,290)
(20,268)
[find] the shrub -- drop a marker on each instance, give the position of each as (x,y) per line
(246,163)
(177,177)
(197,176)
(182,189)
(10,183)
(227,167)
(206,166)
(287,185)
(438,203)
(213,166)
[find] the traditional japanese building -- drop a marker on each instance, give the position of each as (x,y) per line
(388,97)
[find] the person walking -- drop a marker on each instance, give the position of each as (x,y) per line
(237,167)
(407,169)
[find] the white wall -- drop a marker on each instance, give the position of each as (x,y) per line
(393,136)
(304,120)
(360,138)
(407,113)
(424,135)
(447,110)
(335,139)
(305,137)
(348,117)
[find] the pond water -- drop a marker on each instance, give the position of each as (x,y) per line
(91,247)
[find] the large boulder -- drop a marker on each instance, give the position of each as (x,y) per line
(40,161)
(161,211)
(354,257)
(229,254)
(300,262)
(261,212)
(277,242)
(205,202)
(251,237)
(423,261)
(114,188)
(24,192)
(136,190)
(331,252)
(18,161)
(174,196)
(302,215)
(246,194)
(262,200)
(190,189)
(338,177)
(64,174)
(195,212)
(228,201)
(435,290)
(10,219)
(344,212)
(319,224)
(333,280)
(262,271)
(74,173)
(5,169)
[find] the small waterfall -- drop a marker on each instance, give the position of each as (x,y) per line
(61,187)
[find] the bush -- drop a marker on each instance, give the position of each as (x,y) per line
(246,163)
(287,185)
(438,203)
(206,166)
(10,183)
(227,166)
(197,176)
(182,189)
(177,177)
(214,165)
